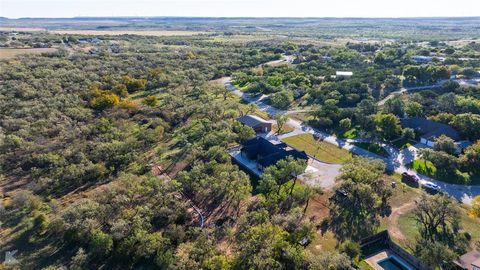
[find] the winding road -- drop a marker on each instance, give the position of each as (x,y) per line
(397,160)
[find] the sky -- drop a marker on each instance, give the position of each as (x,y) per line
(239,8)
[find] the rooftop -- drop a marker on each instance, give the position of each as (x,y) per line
(343,73)
(468,260)
(251,120)
(268,153)
(430,129)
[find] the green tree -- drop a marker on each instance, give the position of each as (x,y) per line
(151,101)
(388,125)
(414,109)
(265,246)
(445,144)
(360,199)
(282,99)
(101,243)
(345,124)
(281,121)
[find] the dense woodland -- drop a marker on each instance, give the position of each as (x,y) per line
(117,158)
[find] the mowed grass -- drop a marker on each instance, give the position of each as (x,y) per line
(372,147)
(349,134)
(424,167)
(409,226)
(322,151)
(7,53)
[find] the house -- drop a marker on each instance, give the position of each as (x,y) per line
(420,59)
(339,74)
(267,153)
(428,130)
(469,261)
(255,122)
(258,153)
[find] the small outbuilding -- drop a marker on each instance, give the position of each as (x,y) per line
(255,122)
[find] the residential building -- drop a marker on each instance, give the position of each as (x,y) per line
(427,131)
(255,122)
(258,153)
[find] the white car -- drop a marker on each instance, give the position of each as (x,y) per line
(432,187)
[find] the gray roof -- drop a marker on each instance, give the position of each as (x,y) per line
(430,129)
(252,120)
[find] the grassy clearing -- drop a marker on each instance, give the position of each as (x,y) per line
(424,167)
(403,143)
(373,147)
(241,87)
(322,151)
(7,53)
(286,128)
(349,134)
(409,227)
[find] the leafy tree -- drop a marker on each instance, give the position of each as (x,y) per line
(345,124)
(414,109)
(445,144)
(388,125)
(282,99)
(395,106)
(281,121)
(408,133)
(105,101)
(151,101)
(265,246)
(467,124)
(329,260)
(475,209)
(470,160)
(439,226)
(359,201)
(101,243)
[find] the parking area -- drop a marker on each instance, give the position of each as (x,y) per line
(321,174)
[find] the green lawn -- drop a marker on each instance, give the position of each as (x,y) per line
(373,147)
(349,134)
(409,227)
(424,167)
(241,87)
(403,143)
(322,151)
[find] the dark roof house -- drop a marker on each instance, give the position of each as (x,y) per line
(430,130)
(255,122)
(267,153)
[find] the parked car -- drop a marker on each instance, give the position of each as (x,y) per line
(410,179)
(431,187)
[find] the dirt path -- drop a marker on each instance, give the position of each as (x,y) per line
(393,226)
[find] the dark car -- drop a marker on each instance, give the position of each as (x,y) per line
(410,179)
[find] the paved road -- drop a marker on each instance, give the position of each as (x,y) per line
(471,82)
(396,161)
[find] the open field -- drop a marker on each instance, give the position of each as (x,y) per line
(22,29)
(7,53)
(322,151)
(155,33)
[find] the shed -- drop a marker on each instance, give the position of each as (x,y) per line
(255,122)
